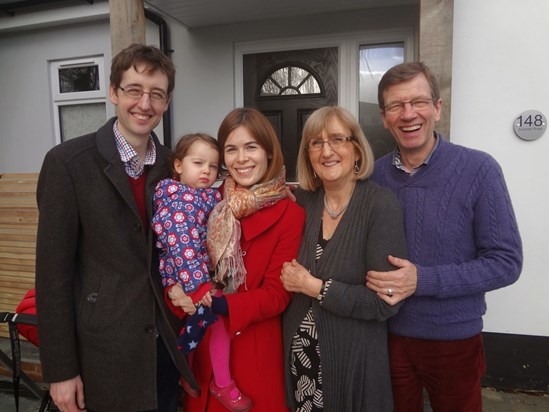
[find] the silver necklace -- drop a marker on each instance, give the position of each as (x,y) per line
(331,213)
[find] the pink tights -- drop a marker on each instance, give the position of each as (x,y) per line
(220,350)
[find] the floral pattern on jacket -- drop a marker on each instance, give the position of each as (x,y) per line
(180,223)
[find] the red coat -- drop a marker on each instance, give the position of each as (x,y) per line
(270,237)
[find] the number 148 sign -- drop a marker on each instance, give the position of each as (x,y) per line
(530,125)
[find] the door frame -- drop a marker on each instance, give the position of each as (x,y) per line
(348,45)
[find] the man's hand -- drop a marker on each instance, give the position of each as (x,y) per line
(395,285)
(68,395)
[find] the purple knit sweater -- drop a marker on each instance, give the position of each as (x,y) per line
(462,235)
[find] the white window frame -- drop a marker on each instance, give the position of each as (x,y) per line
(76,98)
(348,62)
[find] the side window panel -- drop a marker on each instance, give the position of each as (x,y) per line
(79,96)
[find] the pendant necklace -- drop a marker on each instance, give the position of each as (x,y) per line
(331,213)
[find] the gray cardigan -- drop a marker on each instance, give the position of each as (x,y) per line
(351,319)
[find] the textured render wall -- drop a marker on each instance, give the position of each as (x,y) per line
(205,57)
(500,70)
(25,101)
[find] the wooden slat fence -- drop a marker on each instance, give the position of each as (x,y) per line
(18,225)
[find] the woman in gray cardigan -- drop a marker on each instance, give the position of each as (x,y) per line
(335,335)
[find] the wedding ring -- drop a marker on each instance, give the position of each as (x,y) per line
(390,292)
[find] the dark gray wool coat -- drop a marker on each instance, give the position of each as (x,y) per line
(351,319)
(99,296)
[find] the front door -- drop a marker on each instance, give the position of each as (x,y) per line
(288,86)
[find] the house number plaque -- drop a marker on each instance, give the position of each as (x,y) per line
(530,125)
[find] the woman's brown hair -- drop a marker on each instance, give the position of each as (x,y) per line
(261,130)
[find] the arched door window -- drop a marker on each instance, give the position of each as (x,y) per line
(291,80)
(287,86)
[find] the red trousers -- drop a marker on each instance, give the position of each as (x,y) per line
(450,372)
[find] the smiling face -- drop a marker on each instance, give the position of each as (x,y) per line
(412,129)
(244,158)
(334,166)
(137,117)
(199,167)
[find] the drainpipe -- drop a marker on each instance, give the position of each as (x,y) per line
(166,48)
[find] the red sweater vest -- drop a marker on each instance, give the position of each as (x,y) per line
(138,190)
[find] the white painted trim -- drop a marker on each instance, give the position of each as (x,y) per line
(56,65)
(348,45)
(77,98)
(58,105)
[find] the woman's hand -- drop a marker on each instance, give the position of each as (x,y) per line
(206,300)
(179,299)
(295,278)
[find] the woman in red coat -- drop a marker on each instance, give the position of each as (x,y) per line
(251,233)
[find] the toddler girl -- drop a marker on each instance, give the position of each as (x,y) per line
(182,206)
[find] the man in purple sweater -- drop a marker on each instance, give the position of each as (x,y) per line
(463,241)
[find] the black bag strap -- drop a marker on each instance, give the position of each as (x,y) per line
(16,360)
(47,404)
(16,318)
(12,319)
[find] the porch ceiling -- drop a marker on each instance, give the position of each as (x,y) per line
(199,13)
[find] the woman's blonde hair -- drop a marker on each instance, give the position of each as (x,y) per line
(313,128)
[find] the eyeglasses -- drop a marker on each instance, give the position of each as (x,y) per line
(398,107)
(335,141)
(136,93)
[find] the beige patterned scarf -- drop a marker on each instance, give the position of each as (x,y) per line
(224,226)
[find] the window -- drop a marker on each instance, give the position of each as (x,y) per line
(290,80)
(79,96)
(374,61)
(361,59)
(78,79)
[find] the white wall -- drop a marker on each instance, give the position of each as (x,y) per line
(500,63)
(27,42)
(499,70)
(25,103)
(205,57)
